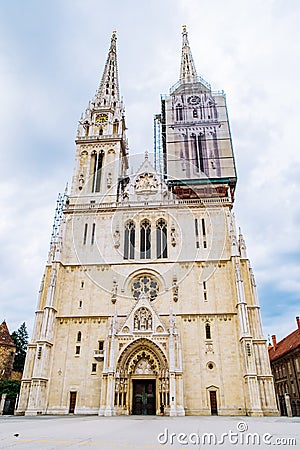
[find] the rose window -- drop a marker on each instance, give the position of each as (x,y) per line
(145,284)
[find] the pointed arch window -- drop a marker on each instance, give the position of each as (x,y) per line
(129,240)
(161,239)
(79,336)
(207,331)
(115,127)
(197,146)
(97,161)
(179,112)
(145,240)
(85,233)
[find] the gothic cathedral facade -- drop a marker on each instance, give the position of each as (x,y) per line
(148,304)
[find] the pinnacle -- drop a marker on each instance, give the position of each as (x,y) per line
(109,87)
(188,68)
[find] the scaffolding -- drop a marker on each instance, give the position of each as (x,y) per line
(158,154)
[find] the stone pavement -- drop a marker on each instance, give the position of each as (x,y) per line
(151,433)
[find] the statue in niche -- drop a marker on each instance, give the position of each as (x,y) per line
(109,180)
(117,238)
(142,320)
(173,236)
(81,181)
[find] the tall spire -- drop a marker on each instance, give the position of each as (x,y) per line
(187,69)
(109,86)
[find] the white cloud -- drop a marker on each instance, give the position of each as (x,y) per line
(50,70)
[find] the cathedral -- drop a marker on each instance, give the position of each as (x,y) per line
(148,303)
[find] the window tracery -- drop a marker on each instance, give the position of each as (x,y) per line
(161,239)
(145,239)
(145,284)
(129,240)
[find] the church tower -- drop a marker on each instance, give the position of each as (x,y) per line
(148,301)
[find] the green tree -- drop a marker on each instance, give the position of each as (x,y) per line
(20,338)
(9,387)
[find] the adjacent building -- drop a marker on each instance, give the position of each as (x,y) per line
(285,364)
(148,303)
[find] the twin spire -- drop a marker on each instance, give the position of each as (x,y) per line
(187,69)
(109,87)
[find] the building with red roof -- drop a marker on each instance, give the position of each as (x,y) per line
(285,364)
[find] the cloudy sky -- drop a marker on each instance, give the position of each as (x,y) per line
(51,59)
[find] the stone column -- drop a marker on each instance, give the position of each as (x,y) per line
(109,408)
(2,403)
(173,411)
(288,405)
(103,395)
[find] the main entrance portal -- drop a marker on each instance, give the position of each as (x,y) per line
(143,399)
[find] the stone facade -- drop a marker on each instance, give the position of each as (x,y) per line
(148,302)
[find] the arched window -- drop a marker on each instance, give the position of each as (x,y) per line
(145,284)
(197,148)
(145,240)
(129,240)
(179,112)
(97,160)
(79,336)
(161,239)
(115,127)
(85,233)
(207,331)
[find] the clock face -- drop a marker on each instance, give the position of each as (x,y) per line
(101,118)
(194,100)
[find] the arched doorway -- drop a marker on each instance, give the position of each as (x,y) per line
(142,379)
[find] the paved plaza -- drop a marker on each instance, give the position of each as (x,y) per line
(141,433)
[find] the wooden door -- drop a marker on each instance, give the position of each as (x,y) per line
(72,402)
(213,403)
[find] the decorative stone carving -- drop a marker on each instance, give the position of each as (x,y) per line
(146,182)
(173,236)
(209,348)
(117,238)
(81,181)
(109,180)
(142,320)
(114,292)
(143,367)
(175,289)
